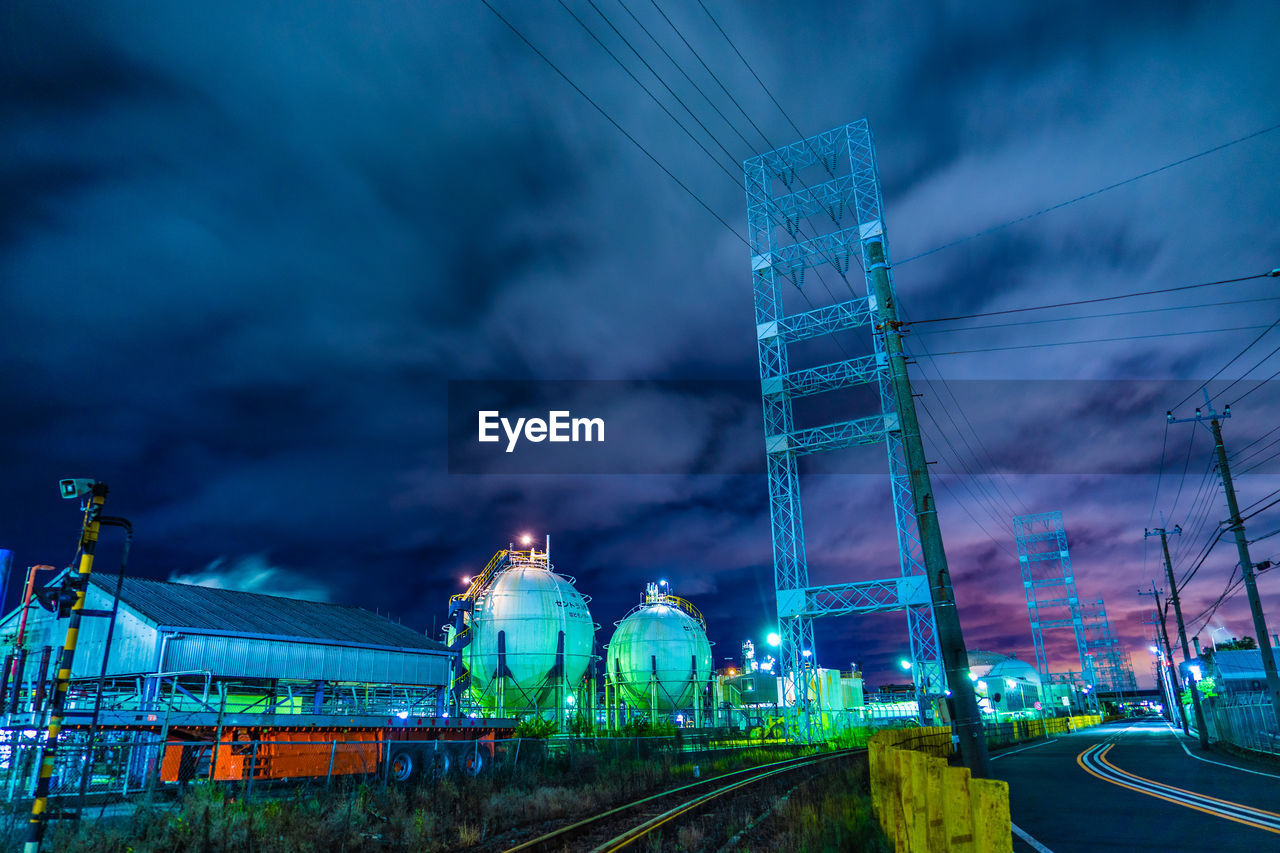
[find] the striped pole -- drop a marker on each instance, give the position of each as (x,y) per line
(88,541)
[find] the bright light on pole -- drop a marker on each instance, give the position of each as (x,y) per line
(773,639)
(904,663)
(526,539)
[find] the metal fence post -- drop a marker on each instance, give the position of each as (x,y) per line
(333,748)
(253,771)
(515,762)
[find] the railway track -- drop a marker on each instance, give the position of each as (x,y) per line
(622,826)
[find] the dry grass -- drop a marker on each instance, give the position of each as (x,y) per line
(451,813)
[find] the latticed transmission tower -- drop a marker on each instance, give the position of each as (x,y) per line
(1110,662)
(812,205)
(1052,600)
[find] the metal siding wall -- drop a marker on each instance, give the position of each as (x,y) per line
(241,657)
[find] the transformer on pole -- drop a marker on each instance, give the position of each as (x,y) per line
(796,226)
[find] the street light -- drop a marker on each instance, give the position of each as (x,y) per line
(904,663)
(773,639)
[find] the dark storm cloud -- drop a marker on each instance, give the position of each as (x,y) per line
(244,247)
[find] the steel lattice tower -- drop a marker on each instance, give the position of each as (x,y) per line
(1046,566)
(1111,664)
(795,226)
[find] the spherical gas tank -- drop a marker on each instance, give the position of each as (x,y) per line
(529,620)
(659,656)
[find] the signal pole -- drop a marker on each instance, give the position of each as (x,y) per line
(1242,548)
(955,657)
(1182,633)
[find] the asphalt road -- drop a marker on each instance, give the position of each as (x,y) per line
(1132,786)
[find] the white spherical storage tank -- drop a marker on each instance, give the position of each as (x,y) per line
(659,656)
(532,639)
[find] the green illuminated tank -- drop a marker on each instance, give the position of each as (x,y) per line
(531,638)
(659,656)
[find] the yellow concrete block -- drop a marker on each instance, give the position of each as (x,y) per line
(936,829)
(992,825)
(957,811)
(918,817)
(904,803)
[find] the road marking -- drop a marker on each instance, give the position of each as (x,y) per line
(1035,845)
(1219,763)
(1094,762)
(1022,749)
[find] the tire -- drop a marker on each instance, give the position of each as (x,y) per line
(439,762)
(404,765)
(472,763)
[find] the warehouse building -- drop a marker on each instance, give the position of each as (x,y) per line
(208,649)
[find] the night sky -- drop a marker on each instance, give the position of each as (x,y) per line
(244,248)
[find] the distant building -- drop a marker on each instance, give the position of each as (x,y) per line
(1237,671)
(1004,684)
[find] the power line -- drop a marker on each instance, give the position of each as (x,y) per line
(1164,443)
(1270,494)
(1256,440)
(1241,377)
(1260,509)
(752,70)
(611,121)
(1185,465)
(1259,385)
(1095,299)
(1096,192)
(686,74)
(1258,463)
(1103,316)
(1232,361)
(732,178)
(1261,449)
(1201,557)
(1101,340)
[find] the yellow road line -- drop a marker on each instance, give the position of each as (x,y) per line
(1177,802)
(1103,758)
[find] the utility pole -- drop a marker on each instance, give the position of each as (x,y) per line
(955,657)
(1167,654)
(1182,629)
(1236,524)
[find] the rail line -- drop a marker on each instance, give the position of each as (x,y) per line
(556,839)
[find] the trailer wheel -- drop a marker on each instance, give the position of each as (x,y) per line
(473,763)
(440,763)
(404,764)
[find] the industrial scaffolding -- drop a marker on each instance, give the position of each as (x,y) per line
(816,203)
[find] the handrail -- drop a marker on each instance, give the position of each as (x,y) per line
(481,580)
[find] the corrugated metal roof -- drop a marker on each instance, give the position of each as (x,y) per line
(1242,663)
(182,605)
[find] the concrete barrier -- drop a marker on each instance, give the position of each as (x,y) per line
(925,805)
